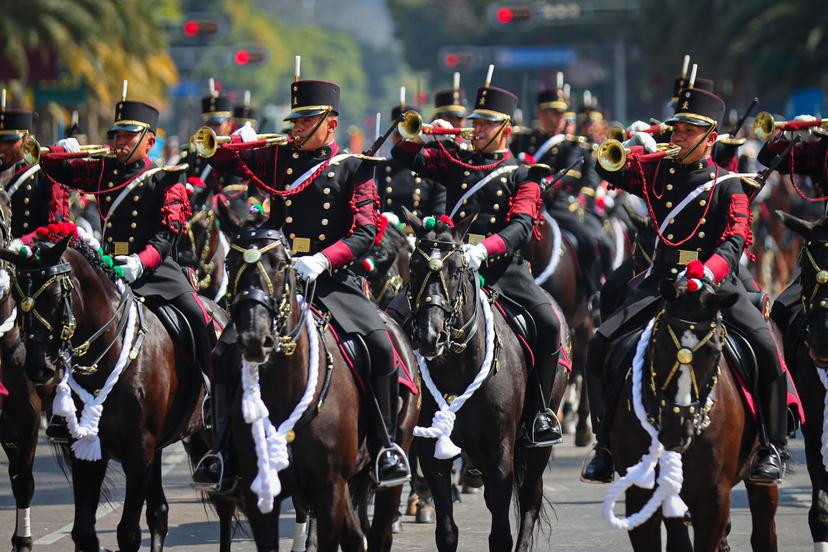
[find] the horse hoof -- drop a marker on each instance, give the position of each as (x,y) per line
(425,514)
(468,489)
(22,544)
(411,508)
(583,438)
(396,527)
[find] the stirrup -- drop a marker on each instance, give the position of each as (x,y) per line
(531,442)
(782,464)
(214,487)
(400,453)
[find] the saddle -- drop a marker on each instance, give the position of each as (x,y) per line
(522,324)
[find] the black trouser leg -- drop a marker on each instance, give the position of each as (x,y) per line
(204,341)
(548,351)
(384,384)
(595,382)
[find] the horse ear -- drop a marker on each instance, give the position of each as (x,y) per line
(50,252)
(278,212)
(801,227)
(461,227)
(413,221)
(668,289)
(720,299)
(230,221)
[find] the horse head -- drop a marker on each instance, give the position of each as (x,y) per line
(262,282)
(381,267)
(441,286)
(42,286)
(684,356)
(813,262)
(198,243)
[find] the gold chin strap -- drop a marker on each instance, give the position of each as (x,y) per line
(496,134)
(297,144)
(253,256)
(707,133)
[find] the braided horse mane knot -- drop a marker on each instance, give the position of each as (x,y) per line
(59,231)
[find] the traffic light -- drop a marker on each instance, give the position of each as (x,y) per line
(201,27)
(509,17)
(249,55)
(460,58)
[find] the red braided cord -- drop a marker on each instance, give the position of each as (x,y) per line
(468,165)
(651,212)
(796,188)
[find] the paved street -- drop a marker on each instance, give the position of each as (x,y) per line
(574,515)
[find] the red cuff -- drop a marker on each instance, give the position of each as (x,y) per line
(719,266)
(150,257)
(338,254)
(196,182)
(495,245)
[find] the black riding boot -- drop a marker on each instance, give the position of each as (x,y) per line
(391,466)
(544,429)
(598,466)
(770,457)
(212,473)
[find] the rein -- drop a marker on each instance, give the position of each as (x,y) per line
(457,338)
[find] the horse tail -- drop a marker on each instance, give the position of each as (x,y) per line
(544,523)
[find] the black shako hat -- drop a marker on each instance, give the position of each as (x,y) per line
(215,109)
(450,102)
(553,98)
(494,104)
(313,97)
(133,116)
(244,114)
(698,107)
(14,124)
(398,110)
(682,82)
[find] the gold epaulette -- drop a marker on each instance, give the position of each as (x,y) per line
(175,168)
(733,141)
(370,159)
(751,182)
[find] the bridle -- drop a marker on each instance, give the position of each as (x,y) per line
(281,309)
(456,338)
(699,409)
(204,266)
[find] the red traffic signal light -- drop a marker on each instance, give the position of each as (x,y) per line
(248,56)
(463,58)
(504,14)
(191,28)
(511,16)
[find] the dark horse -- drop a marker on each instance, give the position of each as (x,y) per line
(73,312)
(453,330)
(202,249)
(555,266)
(385,269)
(21,409)
(329,459)
(689,398)
(809,364)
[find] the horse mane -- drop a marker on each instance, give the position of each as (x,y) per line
(103,263)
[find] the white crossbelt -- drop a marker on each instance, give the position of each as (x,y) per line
(485,180)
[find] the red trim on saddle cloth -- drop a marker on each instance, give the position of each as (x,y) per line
(563,358)
(404,378)
(530,354)
(3,391)
(747,396)
(150,257)
(792,397)
(357,377)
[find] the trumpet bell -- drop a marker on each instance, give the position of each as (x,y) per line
(411,124)
(763,126)
(31,151)
(616,133)
(205,142)
(612,155)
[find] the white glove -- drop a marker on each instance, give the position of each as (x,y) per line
(642,139)
(69,145)
(412,243)
(309,267)
(475,255)
(442,123)
(247,133)
(15,245)
(132,265)
(638,126)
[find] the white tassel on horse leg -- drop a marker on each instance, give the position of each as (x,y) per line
(24,523)
(822,372)
(821,547)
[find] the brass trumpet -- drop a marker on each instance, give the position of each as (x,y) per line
(764,125)
(612,155)
(206,142)
(621,134)
(412,124)
(32,151)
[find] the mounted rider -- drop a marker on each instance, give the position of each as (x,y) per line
(143,210)
(28,188)
(331,220)
(551,145)
(489,181)
(702,216)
